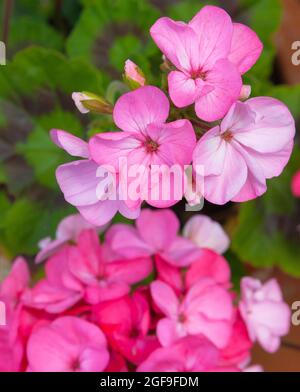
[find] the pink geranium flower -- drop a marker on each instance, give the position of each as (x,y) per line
(155,233)
(146,143)
(296,184)
(208,264)
(210,54)
(189,354)
(253,143)
(81,272)
(67,230)
(206,233)
(205,309)
(79,182)
(126,323)
(68,344)
(266,315)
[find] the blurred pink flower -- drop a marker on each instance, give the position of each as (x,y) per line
(189,354)
(296,184)
(147,142)
(81,272)
(206,233)
(68,229)
(68,344)
(266,315)
(78,181)
(155,233)
(205,309)
(208,264)
(210,54)
(126,323)
(253,143)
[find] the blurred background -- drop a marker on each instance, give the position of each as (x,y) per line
(55,47)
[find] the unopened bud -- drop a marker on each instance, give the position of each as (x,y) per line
(245,92)
(89,102)
(133,75)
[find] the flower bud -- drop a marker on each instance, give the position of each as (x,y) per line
(89,102)
(245,92)
(133,76)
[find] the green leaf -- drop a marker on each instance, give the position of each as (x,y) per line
(41,153)
(102,23)
(267,233)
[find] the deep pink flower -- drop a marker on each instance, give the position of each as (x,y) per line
(206,233)
(253,143)
(205,309)
(189,354)
(208,264)
(155,233)
(67,230)
(237,351)
(126,323)
(210,54)
(68,344)
(79,181)
(296,184)
(81,272)
(146,142)
(266,315)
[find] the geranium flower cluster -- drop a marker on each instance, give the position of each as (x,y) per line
(146,298)
(228,143)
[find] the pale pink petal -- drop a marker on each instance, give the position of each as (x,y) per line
(206,233)
(181,253)
(182,89)
(70,143)
(78,181)
(209,153)
(158,228)
(135,110)
(99,213)
(220,189)
(227,84)
(246,47)
(178,42)
(274,126)
(168,331)
(106,151)
(164,298)
(214,29)
(177,141)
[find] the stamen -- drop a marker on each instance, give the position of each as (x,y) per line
(227,136)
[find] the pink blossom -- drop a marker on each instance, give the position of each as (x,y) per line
(82,273)
(296,184)
(155,233)
(133,74)
(253,143)
(68,344)
(208,264)
(266,315)
(126,323)
(67,230)
(237,351)
(206,233)
(189,354)
(147,142)
(78,181)
(210,53)
(205,309)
